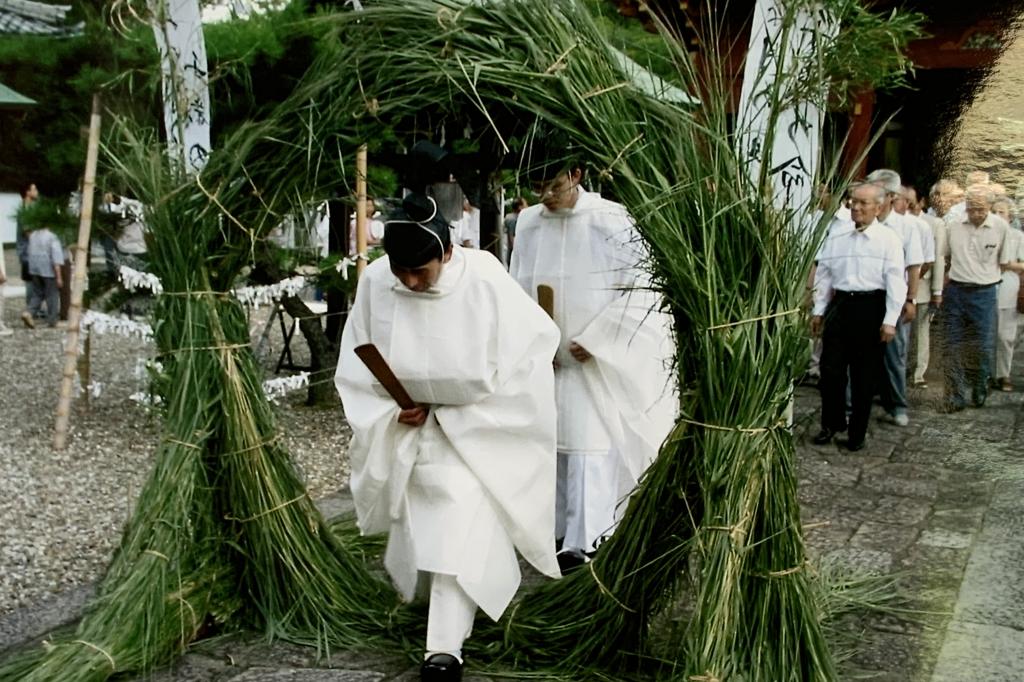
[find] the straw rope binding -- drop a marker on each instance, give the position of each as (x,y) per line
(257,446)
(267,511)
(110,659)
(604,590)
(753,319)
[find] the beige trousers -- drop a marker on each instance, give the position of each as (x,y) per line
(922,332)
(1006,341)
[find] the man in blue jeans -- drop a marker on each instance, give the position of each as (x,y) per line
(975,249)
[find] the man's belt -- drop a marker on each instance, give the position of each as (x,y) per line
(872,292)
(972,285)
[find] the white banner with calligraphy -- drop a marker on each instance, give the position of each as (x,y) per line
(179,38)
(785,43)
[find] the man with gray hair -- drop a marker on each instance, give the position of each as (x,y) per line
(894,377)
(933,233)
(976,250)
(941,198)
(958,211)
(858,296)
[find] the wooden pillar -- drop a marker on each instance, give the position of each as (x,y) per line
(861,116)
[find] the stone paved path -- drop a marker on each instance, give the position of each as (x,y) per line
(939,503)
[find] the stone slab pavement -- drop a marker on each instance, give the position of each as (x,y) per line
(938,504)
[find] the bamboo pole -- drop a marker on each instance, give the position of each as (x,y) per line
(360,210)
(78,280)
(85,367)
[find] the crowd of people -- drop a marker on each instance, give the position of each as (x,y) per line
(891,265)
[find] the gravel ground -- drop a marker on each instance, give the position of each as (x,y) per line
(61,513)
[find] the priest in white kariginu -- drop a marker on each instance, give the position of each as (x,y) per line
(616,399)
(466,477)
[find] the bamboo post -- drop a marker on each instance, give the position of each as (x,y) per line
(360,210)
(85,366)
(78,279)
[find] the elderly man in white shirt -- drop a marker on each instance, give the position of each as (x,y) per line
(933,233)
(975,249)
(858,298)
(894,386)
(958,211)
(1009,287)
(930,285)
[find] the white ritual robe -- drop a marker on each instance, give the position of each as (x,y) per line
(478,479)
(623,399)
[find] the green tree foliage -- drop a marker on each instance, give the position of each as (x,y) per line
(253,65)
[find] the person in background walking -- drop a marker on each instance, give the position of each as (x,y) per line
(45,258)
(975,249)
(929,286)
(893,388)
(4,329)
(1009,287)
(29,193)
(859,291)
(512,218)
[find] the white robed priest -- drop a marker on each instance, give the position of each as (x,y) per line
(466,477)
(615,393)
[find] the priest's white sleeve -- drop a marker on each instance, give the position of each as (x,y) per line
(382,451)
(629,374)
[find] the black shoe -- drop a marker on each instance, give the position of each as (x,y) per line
(854,445)
(441,668)
(979,398)
(824,437)
(569,560)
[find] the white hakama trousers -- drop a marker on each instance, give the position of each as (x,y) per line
(450,618)
(450,529)
(586,496)
(1006,341)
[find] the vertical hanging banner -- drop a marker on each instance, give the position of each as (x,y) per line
(780,117)
(178,27)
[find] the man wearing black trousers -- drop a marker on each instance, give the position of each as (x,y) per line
(859,292)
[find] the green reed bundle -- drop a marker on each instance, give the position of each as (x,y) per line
(223,531)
